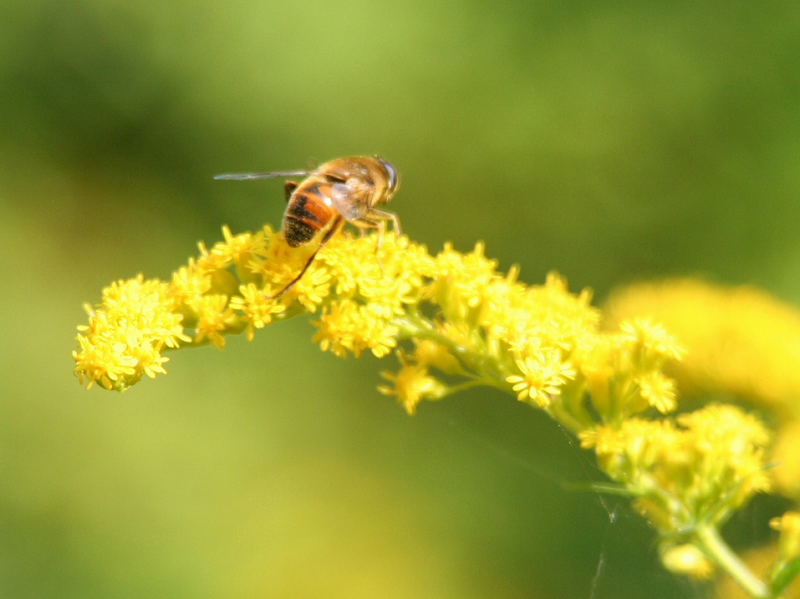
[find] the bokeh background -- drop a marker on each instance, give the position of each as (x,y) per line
(612,141)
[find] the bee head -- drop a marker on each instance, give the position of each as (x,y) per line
(392,178)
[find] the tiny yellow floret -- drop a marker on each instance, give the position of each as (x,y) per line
(542,377)
(412,384)
(687,559)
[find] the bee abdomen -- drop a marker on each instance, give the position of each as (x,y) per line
(297,232)
(306,214)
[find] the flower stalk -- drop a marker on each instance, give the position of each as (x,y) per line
(709,539)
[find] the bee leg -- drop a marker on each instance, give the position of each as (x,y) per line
(363,224)
(337,224)
(378,219)
(383,216)
(381,233)
(288,189)
(367,223)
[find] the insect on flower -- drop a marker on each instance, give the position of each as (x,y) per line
(338,191)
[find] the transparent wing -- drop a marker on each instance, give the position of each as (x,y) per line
(351,205)
(271,175)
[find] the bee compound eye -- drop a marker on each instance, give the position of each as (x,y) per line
(391,173)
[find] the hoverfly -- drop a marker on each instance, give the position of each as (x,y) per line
(338,191)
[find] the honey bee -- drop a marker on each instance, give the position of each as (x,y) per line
(338,191)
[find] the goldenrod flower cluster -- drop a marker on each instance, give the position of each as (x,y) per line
(742,341)
(454,321)
(126,334)
(693,470)
(743,344)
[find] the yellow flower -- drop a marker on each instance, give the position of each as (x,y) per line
(189,282)
(687,559)
(461,280)
(732,445)
(257,309)
(455,322)
(635,447)
(789,527)
(623,370)
(239,249)
(431,353)
(741,341)
(658,390)
(412,384)
(385,294)
(347,326)
(651,339)
(214,317)
(698,470)
(312,289)
(542,377)
(126,333)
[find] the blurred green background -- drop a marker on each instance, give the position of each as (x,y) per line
(610,141)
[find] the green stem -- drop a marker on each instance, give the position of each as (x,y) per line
(415,326)
(721,554)
(563,416)
(480,382)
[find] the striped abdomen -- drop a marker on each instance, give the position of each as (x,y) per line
(309,210)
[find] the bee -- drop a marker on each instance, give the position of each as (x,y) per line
(339,191)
